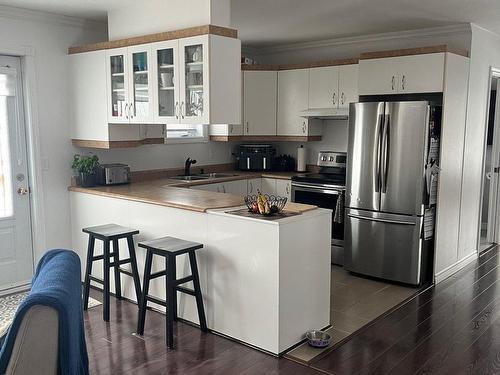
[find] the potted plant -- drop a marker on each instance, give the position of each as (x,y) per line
(86,166)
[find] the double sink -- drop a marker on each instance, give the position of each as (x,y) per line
(203,176)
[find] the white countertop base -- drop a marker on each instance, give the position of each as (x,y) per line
(264,283)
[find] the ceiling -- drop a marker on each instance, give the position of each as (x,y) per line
(270,22)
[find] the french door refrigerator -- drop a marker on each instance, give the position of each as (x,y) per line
(385,189)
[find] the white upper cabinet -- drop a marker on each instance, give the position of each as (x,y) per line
(402,74)
(129,83)
(333,86)
(348,85)
(324,87)
(194,81)
(166,70)
(421,73)
(293,98)
(259,102)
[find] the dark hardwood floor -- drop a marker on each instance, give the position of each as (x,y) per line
(113,349)
(453,328)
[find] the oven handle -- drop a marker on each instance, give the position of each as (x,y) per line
(301,187)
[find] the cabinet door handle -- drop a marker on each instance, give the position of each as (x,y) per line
(126,111)
(334,98)
(342,98)
(176,110)
(251,187)
(131,111)
(182,110)
(230,129)
(248,127)
(403,82)
(287,189)
(223,188)
(304,127)
(392,82)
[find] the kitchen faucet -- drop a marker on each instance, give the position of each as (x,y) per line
(187,166)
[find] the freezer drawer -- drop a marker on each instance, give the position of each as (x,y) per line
(387,246)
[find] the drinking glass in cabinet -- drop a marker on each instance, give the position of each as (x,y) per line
(141,93)
(166,84)
(118,85)
(194,80)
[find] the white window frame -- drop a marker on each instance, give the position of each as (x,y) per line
(202,139)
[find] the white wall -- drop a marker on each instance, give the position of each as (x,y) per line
(485,53)
(456,37)
(334,138)
(167,156)
(50,36)
(154,16)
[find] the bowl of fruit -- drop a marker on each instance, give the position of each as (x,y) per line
(264,204)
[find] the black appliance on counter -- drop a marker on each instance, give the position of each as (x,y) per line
(326,189)
(255,157)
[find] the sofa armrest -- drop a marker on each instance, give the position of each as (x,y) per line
(35,348)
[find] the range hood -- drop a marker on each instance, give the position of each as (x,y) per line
(326,113)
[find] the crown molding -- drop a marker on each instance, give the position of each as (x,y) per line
(432,31)
(40,16)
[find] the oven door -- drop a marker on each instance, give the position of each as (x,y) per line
(323,196)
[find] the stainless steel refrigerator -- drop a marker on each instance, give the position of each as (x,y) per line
(385,189)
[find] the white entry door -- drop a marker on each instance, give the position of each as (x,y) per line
(16,259)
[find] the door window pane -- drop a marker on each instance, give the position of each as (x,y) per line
(166,82)
(118,85)
(141,94)
(194,80)
(6,199)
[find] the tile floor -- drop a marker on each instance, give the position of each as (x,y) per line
(355,301)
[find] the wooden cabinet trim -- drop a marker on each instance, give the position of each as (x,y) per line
(158,37)
(89,143)
(413,51)
(268,138)
(317,64)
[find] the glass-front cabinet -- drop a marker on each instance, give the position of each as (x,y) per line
(194,80)
(130,85)
(167,106)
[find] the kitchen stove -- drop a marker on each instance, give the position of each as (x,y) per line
(326,189)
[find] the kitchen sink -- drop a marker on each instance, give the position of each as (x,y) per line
(189,178)
(216,175)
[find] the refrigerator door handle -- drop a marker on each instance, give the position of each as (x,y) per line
(385,152)
(376,175)
(402,222)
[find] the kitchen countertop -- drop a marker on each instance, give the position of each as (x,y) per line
(174,193)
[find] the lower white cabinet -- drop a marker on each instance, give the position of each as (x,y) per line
(268,186)
(238,187)
(284,188)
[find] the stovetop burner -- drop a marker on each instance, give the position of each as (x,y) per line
(321,178)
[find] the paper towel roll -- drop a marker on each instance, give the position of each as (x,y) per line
(301,159)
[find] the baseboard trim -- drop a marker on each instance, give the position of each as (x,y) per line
(455,267)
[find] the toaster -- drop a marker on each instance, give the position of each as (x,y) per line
(113,174)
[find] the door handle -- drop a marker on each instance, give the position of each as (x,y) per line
(376,174)
(385,153)
(342,98)
(402,222)
(176,110)
(23,191)
(304,127)
(496,170)
(251,187)
(126,111)
(131,111)
(182,110)
(393,82)
(403,82)
(248,127)
(333,99)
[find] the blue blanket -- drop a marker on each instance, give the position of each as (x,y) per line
(56,284)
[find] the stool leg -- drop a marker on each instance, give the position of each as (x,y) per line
(88,271)
(171,287)
(105,310)
(116,260)
(135,271)
(197,289)
(143,300)
(173,270)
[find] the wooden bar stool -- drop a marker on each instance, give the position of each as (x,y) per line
(170,248)
(110,233)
